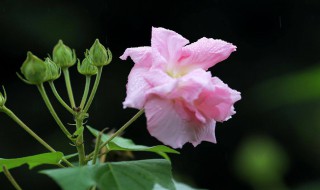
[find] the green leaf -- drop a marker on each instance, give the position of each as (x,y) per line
(120,143)
(71,156)
(133,175)
(177,185)
(32,161)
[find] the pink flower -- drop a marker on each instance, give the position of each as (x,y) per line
(182,100)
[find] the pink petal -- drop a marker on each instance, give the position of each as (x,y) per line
(205,53)
(187,87)
(191,85)
(139,55)
(165,124)
(156,77)
(217,102)
(136,88)
(168,43)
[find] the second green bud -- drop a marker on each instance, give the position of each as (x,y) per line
(99,55)
(63,56)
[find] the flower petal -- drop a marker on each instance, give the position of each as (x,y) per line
(136,88)
(168,43)
(165,124)
(187,87)
(139,55)
(217,102)
(205,53)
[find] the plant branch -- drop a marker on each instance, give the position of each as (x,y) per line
(33,134)
(86,92)
(119,131)
(94,89)
(10,178)
(52,111)
(62,102)
(68,86)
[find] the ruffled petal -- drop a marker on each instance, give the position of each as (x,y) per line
(156,77)
(165,124)
(136,88)
(168,44)
(187,87)
(139,55)
(205,53)
(217,102)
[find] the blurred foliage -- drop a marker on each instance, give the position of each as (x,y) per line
(289,89)
(294,101)
(261,162)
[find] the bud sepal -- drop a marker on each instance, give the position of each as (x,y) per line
(99,55)
(53,70)
(34,70)
(63,56)
(86,67)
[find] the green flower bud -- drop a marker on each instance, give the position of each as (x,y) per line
(3,97)
(53,70)
(34,69)
(87,68)
(99,55)
(63,56)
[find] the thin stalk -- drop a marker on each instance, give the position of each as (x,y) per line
(33,134)
(52,111)
(96,148)
(68,86)
(94,89)
(56,94)
(119,131)
(85,92)
(103,154)
(79,142)
(10,178)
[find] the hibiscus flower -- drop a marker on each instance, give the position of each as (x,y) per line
(170,81)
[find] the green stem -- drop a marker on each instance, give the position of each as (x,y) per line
(94,89)
(86,92)
(10,178)
(52,111)
(33,134)
(96,148)
(68,85)
(56,94)
(79,141)
(119,131)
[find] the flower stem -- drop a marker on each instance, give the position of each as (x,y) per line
(96,148)
(79,141)
(33,134)
(56,94)
(10,178)
(119,131)
(52,111)
(86,92)
(68,85)
(94,89)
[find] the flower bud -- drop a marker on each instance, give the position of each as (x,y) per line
(99,55)
(53,70)
(34,69)
(63,56)
(3,97)
(87,68)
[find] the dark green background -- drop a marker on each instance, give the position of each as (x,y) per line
(275,67)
